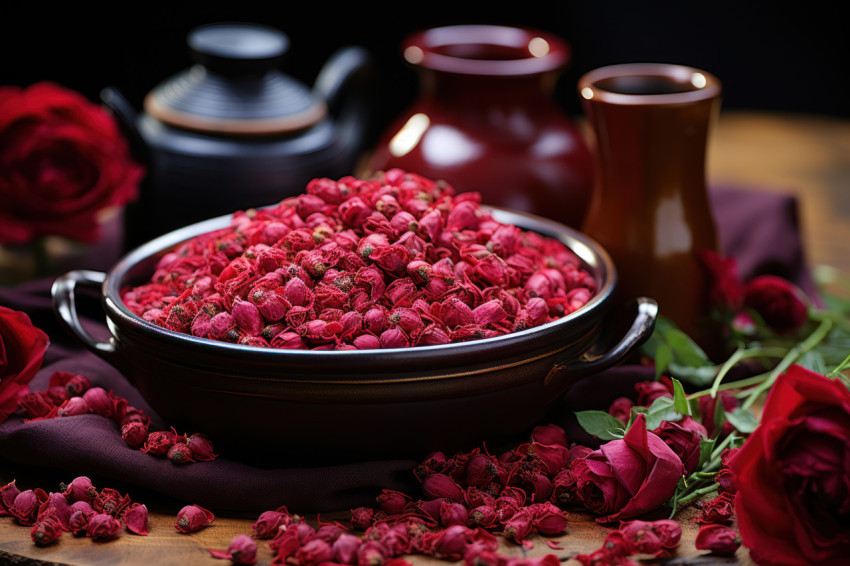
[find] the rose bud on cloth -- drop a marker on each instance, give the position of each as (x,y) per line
(629,477)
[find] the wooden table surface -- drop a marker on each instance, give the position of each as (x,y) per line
(808,156)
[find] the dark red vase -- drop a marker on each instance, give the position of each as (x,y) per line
(486,119)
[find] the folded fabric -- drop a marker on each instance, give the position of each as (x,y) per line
(760,229)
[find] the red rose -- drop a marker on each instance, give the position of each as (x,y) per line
(793,474)
(63,162)
(782,305)
(22,348)
(684,439)
(629,477)
(726,289)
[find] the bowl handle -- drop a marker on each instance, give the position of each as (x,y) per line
(65,305)
(593,361)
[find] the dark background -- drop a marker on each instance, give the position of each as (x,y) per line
(769,56)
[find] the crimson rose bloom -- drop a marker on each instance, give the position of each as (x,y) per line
(22,348)
(782,305)
(793,474)
(62,162)
(629,477)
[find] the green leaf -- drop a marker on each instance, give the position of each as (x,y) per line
(706,448)
(676,353)
(663,357)
(742,419)
(601,424)
(698,376)
(685,351)
(661,409)
(680,399)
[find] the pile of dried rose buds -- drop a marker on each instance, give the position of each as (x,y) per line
(70,394)
(395,261)
(78,507)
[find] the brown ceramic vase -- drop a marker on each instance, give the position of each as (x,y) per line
(650,125)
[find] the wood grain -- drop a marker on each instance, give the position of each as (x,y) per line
(164,546)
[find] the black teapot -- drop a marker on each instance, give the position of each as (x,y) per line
(233,132)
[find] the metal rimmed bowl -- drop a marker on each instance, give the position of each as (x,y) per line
(304,406)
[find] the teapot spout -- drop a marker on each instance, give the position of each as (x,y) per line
(125,115)
(346,82)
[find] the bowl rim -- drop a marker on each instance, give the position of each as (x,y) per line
(589,251)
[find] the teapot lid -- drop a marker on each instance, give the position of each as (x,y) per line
(234,87)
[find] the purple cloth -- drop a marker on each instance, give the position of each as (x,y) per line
(760,229)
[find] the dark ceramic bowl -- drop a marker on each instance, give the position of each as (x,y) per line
(314,406)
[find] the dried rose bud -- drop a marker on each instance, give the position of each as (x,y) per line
(193,518)
(296,292)
(8,493)
(367,342)
(242,550)
(247,317)
(136,519)
(537,310)
(362,518)
(563,487)
(314,552)
(46,530)
(77,385)
(392,502)
(394,338)
(135,415)
(721,509)
(452,513)
(110,501)
(371,553)
(449,544)
(99,401)
(25,506)
(270,522)
(483,516)
(718,539)
(180,453)
(201,448)
(549,434)
(103,526)
(344,548)
(519,525)
(159,442)
(549,519)
(134,434)
(73,407)
(438,485)
(80,489)
(58,506)
(78,522)
(36,404)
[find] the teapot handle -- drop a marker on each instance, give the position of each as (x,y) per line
(125,115)
(345,82)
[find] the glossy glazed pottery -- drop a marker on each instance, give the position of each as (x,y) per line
(650,209)
(314,406)
(234,131)
(486,119)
